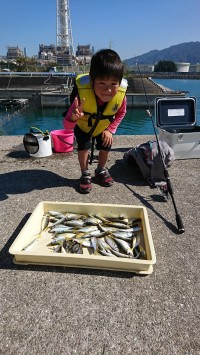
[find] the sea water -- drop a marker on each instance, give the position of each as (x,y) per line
(136,121)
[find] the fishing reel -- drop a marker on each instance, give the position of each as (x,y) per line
(162,189)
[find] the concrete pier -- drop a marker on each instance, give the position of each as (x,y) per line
(54,91)
(73,311)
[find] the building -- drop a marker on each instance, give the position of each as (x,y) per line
(47,51)
(144,68)
(194,68)
(64,56)
(14,52)
(84,54)
(182,67)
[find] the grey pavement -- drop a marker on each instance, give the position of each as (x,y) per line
(58,310)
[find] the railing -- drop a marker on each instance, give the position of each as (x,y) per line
(14,73)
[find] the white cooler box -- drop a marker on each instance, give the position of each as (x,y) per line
(176,122)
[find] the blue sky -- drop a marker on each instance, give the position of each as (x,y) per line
(131,27)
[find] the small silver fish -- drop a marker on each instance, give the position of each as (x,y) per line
(125,246)
(57,249)
(94,243)
(75,248)
(111,243)
(120,219)
(93,221)
(102,245)
(117,225)
(62,229)
(58,221)
(68,235)
(135,241)
(44,223)
(29,246)
(101,218)
(105,252)
(59,240)
(133,229)
(55,214)
(120,255)
(107,229)
(88,229)
(63,251)
(75,223)
(72,216)
(95,233)
(123,235)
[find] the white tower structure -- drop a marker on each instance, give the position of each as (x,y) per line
(64,29)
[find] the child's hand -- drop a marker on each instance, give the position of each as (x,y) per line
(107,138)
(78,111)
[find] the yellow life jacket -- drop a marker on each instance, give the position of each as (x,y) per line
(93,121)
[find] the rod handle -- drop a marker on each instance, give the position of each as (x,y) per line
(180,225)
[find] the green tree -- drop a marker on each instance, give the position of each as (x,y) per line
(165,66)
(26,64)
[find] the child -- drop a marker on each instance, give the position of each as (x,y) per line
(96,112)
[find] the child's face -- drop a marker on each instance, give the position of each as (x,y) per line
(106,88)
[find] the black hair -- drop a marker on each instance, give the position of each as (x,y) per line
(106,63)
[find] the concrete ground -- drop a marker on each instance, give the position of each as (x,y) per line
(58,310)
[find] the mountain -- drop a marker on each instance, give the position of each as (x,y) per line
(184,52)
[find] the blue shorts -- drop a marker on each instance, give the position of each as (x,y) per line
(84,140)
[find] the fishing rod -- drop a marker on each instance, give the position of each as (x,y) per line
(179,222)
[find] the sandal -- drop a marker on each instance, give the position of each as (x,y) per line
(85,183)
(103,178)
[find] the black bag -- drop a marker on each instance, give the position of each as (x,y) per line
(147,158)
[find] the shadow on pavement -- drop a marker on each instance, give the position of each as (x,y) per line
(23,181)
(131,176)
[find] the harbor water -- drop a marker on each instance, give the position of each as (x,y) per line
(136,121)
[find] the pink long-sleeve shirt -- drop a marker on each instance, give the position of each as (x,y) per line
(69,125)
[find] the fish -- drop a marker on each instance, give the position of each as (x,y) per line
(120,219)
(123,235)
(72,216)
(62,250)
(88,229)
(107,229)
(132,229)
(44,223)
(135,241)
(58,221)
(95,233)
(75,223)
(29,246)
(111,242)
(139,252)
(102,245)
(120,255)
(117,225)
(80,249)
(75,248)
(53,219)
(94,243)
(103,219)
(125,246)
(55,214)
(60,229)
(135,221)
(116,236)
(93,221)
(105,252)
(59,240)
(57,249)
